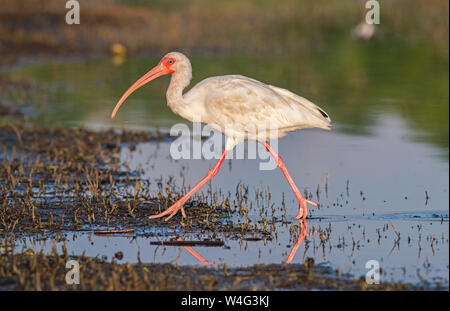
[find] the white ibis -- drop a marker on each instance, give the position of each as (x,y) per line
(232,104)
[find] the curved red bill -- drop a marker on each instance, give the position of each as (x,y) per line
(156,72)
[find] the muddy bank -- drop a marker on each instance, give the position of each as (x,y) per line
(56,182)
(62,179)
(30,271)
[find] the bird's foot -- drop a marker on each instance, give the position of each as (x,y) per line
(303,209)
(172,211)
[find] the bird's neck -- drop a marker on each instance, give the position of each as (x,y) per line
(179,81)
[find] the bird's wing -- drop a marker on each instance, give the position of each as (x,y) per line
(304,104)
(241,101)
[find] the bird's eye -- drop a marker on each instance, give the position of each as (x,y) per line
(170,61)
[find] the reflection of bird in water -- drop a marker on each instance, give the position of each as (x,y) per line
(234,105)
(303,223)
(194,253)
(197,256)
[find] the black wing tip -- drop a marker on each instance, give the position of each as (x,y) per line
(323,113)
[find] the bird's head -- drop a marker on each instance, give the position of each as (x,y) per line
(171,63)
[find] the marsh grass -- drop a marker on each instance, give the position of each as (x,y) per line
(29,270)
(32,26)
(54,180)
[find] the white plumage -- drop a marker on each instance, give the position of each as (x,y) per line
(239,107)
(236,103)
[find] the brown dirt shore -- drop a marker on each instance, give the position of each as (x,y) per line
(78,168)
(30,271)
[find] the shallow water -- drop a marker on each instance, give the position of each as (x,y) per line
(417,261)
(354,84)
(388,149)
(384,189)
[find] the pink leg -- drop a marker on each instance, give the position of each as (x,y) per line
(194,253)
(197,256)
(303,223)
(179,204)
(303,230)
(302,211)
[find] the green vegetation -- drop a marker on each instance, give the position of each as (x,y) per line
(355,84)
(305,46)
(35,26)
